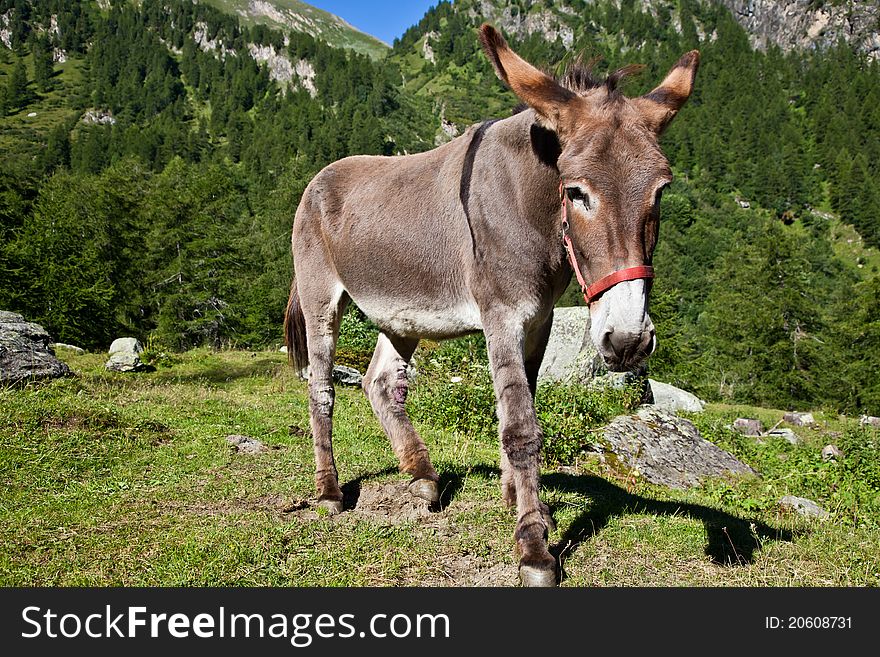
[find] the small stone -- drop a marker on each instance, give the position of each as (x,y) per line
(125,355)
(347,376)
(455,379)
(799,419)
(69,347)
(869,421)
(246,444)
(748,426)
(831,453)
(786,434)
(804,507)
(283,349)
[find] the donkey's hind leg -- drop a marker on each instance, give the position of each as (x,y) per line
(322,332)
(386,387)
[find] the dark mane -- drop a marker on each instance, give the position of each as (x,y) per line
(579,77)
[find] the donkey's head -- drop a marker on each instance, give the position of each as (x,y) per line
(612,173)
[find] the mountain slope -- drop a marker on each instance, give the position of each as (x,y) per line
(302,17)
(793,24)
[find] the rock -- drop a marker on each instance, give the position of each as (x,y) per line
(666,449)
(343,375)
(570,355)
(125,355)
(670,398)
(786,434)
(246,444)
(26,351)
(869,421)
(748,426)
(347,376)
(69,347)
(283,349)
(831,453)
(803,506)
(799,419)
(804,24)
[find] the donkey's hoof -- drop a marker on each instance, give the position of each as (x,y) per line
(426,489)
(332,507)
(532,576)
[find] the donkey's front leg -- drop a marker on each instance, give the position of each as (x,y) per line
(521,441)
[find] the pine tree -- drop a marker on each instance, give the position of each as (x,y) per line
(43,70)
(16,87)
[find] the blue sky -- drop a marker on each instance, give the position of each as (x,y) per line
(385,19)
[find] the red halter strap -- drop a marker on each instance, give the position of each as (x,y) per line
(594,291)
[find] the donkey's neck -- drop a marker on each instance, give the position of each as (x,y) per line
(514,205)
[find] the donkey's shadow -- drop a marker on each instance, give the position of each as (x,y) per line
(731,540)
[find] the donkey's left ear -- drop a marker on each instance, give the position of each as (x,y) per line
(661,105)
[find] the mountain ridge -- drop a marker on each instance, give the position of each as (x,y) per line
(303,17)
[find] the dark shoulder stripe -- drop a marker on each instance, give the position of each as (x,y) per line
(464,187)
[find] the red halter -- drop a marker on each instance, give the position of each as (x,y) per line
(594,291)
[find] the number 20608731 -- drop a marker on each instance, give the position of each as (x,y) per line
(808,622)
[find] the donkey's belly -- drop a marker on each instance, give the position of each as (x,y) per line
(433,320)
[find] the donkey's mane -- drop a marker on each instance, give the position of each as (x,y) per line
(580,78)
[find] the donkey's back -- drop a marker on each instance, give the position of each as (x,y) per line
(389,233)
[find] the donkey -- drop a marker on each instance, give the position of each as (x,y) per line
(483,233)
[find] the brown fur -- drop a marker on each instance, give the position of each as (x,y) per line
(295,331)
(467,237)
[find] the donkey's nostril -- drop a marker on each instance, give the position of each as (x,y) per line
(606,344)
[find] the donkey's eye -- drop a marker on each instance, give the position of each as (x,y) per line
(659,193)
(577,196)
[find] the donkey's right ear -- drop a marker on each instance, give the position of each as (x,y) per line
(536,89)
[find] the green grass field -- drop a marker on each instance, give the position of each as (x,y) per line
(113,479)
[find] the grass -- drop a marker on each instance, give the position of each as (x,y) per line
(21,136)
(113,479)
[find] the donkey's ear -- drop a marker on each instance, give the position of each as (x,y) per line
(536,89)
(661,105)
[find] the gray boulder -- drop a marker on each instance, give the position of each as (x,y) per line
(666,449)
(799,419)
(26,351)
(342,374)
(804,507)
(786,434)
(570,356)
(748,426)
(125,355)
(831,453)
(670,398)
(347,376)
(869,421)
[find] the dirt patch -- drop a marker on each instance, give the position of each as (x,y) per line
(469,570)
(390,503)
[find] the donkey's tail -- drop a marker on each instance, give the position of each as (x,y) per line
(295,331)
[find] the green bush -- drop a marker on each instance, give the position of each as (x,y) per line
(571,416)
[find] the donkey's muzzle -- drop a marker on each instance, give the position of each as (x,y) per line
(625,350)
